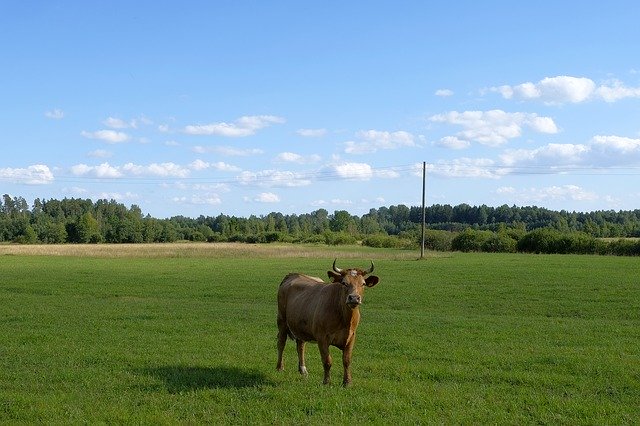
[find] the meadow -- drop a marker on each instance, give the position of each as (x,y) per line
(185,333)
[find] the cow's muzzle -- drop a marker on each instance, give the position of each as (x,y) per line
(354,300)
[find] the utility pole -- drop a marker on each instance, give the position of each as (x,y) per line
(424,178)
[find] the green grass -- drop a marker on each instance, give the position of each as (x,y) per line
(462,339)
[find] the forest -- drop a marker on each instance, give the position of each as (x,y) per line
(461,227)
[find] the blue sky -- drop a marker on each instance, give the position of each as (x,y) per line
(201,108)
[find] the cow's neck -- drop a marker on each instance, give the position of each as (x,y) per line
(349,315)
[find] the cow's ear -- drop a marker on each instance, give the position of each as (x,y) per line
(334,276)
(371,280)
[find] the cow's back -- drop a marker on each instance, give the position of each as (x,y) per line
(300,299)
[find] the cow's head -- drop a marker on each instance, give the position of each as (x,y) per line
(354,281)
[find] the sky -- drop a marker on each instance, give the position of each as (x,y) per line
(249,107)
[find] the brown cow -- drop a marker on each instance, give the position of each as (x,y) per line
(312,310)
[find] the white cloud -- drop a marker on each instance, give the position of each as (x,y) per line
(357,171)
(219,165)
(548,155)
(227,150)
(208,199)
(550,193)
(566,89)
(601,151)
(116,196)
(372,140)
(199,165)
(271,178)
(155,169)
(453,142)
(620,144)
(55,114)
(495,127)
(109,136)
(290,157)
(99,153)
(267,197)
(311,133)
(615,90)
(116,123)
(37,174)
(107,171)
(551,90)
(444,93)
(104,170)
(244,126)
(463,168)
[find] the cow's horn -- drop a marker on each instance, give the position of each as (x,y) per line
(368,271)
(338,270)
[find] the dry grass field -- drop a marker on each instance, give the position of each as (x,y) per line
(204,250)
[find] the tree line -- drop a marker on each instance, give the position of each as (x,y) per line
(486,228)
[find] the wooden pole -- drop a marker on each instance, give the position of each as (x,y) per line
(424,178)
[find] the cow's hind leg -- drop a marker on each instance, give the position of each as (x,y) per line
(326,361)
(301,365)
(282,341)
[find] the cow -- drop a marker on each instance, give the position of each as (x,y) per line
(328,313)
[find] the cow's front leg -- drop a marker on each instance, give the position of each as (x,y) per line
(346,363)
(301,365)
(326,361)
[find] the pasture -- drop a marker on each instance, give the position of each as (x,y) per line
(186,334)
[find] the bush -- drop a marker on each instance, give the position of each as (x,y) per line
(621,247)
(339,238)
(388,241)
(437,240)
(547,240)
(500,243)
(470,240)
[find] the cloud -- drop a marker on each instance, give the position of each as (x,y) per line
(495,127)
(463,168)
(290,157)
(550,193)
(444,93)
(107,171)
(219,165)
(273,178)
(566,89)
(453,142)
(37,174)
(551,90)
(116,196)
(267,197)
(55,114)
(600,151)
(227,150)
(311,133)
(244,126)
(371,141)
(109,136)
(551,154)
(117,123)
(616,90)
(356,171)
(208,199)
(99,153)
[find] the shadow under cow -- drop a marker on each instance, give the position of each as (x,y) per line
(180,378)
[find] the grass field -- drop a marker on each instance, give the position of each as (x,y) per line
(186,334)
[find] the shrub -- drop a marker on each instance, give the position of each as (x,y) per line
(470,240)
(500,243)
(339,238)
(437,240)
